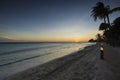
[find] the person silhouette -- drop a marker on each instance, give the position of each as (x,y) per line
(101,52)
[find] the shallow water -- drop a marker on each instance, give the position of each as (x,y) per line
(16,57)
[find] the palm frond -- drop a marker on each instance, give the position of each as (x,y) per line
(114,10)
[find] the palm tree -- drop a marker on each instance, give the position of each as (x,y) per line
(98,11)
(102,12)
(98,38)
(109,11)
(104,26)
(116,22)
(116,30)
(112,36)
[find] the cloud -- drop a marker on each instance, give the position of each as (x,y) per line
(5,39)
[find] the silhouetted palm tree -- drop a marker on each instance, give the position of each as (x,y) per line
(98,11)
(116,22)
(98,38)
(102,12)
(103,26)
(112,36)
(111,33)
(116,30)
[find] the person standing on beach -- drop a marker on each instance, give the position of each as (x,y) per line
(101,52)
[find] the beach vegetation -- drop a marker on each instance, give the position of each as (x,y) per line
(111,31)
(102,12)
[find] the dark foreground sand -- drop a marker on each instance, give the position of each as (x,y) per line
(82,65)
(109,68)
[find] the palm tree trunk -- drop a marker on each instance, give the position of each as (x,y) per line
(104,20)
(108,19)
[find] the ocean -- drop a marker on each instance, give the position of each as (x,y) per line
(17,57)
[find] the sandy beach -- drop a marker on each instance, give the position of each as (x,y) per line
(60,40)
(82,65)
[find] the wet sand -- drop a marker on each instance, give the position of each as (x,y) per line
(82,65)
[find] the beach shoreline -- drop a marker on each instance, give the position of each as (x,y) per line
(46,69)
(82,65)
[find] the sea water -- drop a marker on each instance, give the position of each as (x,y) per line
(17,57)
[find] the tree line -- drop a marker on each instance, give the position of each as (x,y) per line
(111,31)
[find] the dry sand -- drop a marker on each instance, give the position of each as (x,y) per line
(82,65)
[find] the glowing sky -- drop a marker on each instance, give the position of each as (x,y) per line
(49,20)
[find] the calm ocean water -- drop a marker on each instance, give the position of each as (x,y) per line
(16,57)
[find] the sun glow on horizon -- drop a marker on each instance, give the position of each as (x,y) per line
(48,39)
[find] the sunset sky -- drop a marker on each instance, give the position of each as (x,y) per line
(50,20)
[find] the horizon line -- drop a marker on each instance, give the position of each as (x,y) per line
(44,42)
